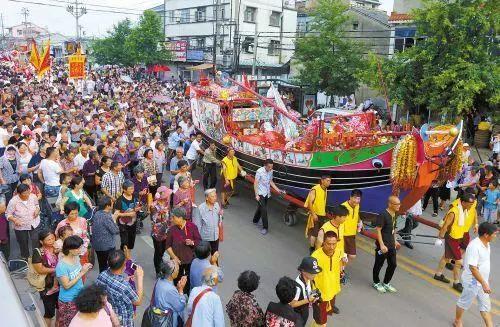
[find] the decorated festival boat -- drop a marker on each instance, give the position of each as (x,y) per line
(346,145)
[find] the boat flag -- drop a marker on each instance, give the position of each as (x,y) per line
(34,56)
(76,65)
(44,61)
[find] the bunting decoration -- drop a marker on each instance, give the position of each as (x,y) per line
(45,61)
(76,64)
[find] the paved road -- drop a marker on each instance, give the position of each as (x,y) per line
(421,301)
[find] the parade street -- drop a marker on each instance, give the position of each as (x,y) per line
(420,301)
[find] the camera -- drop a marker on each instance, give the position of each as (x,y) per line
(316,294)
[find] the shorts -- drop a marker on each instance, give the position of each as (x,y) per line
(474,290)
(51,191)
(320,312)
(452,248)
(317,226)
(465,241)
(350,244)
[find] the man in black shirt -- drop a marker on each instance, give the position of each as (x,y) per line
(386,246)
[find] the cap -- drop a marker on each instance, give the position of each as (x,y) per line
(28,132)
(163,192)
(310,265)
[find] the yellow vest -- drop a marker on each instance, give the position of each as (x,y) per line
(319,205)
(456,232)
(471,215)
(231,167)
(351,223)
(328,226)
(328,280)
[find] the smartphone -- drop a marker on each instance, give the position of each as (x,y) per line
(133,266)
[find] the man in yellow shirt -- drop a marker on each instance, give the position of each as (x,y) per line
(328,280)
(316,203)
(230,169)
(352,224)
(452,232)
(338,215)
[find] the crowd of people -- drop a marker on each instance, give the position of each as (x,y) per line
(85,165)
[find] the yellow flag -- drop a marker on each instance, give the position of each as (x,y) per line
(34,56)
(45,60)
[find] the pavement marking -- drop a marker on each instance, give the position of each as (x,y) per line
(406,265)
(148,240)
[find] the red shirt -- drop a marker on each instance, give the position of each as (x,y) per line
(176,239)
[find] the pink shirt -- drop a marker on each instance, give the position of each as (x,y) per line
(102,320)
(24,211)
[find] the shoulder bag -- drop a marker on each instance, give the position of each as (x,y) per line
(189,322)
(34,278)
(154,317)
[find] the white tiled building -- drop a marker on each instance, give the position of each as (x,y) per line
(273,21)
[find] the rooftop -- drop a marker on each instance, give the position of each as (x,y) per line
(399,18)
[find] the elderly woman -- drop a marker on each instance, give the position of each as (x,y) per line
(79,226)
(243,309)
(167,296)
(151,169)
(75,193)
(105,231)
(160,159)
(70,273)
(123,156)
(9,170)
(183,196)
(24,157)
(160,223)
(94,308)
(182,238)
(207,218)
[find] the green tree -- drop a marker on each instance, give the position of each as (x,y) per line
(112,49)
(452,69)
(144,41)
(129,45)
(327,60)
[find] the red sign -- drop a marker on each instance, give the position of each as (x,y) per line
(178,49)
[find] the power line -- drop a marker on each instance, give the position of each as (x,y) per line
(59,6)
(98,5)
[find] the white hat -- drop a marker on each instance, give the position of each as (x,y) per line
(136,135)
(110,128)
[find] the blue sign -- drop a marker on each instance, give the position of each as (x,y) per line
(195,55)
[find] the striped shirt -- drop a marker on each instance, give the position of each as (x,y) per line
(113,183)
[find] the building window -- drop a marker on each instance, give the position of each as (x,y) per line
(275,18)
(355,26)
(171,16)
(201,14)
(200,43)
(250,13)
(184,16)
(273,48)
(248,44)
(222,12)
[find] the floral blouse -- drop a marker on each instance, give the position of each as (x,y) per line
(244,311)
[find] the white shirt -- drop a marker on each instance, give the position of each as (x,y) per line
(301,287)
(263,179)
(80,160)
(4,137)
(184,126)
(192,153)
(478,255)
(496,144)
(51,171)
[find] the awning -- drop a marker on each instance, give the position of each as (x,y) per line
(201,67)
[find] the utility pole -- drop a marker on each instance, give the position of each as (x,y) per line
(77,10)
(216,35)
(25,12)
(255,47)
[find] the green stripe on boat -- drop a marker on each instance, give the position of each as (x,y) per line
(348,157)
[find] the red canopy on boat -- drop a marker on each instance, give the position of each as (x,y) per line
(158,68)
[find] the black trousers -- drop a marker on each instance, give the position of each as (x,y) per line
(184,269)
(91,191)
(434,193)
(102,259)
(209,175)
(261,212)
(410,225)
(160,248)
(23,238)
(127,235)
(379,263)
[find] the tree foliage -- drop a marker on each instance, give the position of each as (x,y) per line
(328,61)
(129,45)
(452,69)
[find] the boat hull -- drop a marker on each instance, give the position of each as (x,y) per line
(297,181)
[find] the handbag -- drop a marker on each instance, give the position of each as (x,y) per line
(189,321)
(154,317)
(34,278)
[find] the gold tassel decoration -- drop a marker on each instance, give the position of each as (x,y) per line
(404,163)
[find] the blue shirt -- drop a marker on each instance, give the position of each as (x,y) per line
(70,271)
(209,312)
(167,297)
(120,295)
(174,140)
(491,198)
(198,266)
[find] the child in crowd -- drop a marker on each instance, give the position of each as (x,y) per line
(491,201)
(26,179)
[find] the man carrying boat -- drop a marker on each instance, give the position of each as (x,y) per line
(353,223)
(316,203)
(453,231)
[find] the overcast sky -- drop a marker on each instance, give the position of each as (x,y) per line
(57,19)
